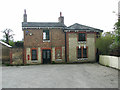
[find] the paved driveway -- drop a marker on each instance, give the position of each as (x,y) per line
(59,76)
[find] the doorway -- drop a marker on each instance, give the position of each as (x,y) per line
(46,56)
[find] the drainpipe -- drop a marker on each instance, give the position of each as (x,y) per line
(23,55)
(65,48)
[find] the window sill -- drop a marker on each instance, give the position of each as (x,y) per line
(81,41)
(58,59)
(34,60)
(46,40)
(82,58)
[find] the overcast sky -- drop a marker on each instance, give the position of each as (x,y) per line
(95,13)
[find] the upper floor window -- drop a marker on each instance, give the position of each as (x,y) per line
(81,37)
(46,35)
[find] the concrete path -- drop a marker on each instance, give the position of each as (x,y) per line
(59,76)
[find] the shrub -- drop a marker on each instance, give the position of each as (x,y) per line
(103,44)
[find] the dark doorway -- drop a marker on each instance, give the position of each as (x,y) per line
(97,55)
(46,56)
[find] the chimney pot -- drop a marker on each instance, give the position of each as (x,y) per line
(25,16)
(61,18)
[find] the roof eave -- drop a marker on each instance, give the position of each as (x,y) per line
(87,30)
(5,44)
(41,27)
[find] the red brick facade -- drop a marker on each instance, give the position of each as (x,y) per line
(49,39)
(34,39)
(57,38)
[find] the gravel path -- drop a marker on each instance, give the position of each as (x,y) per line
(59,76)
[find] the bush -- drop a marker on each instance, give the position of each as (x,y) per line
(114,49)
(53,62)
(103,44)
(18,44)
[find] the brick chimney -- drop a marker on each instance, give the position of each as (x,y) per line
(61,18)
(25,16)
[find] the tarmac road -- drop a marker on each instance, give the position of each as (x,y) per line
(85,75)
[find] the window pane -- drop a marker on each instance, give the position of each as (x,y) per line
(58,54)
(48,54)
(84,53)
(81,37)
(47,37)
(34,54)
(79,53)
(46,34)
(44,54)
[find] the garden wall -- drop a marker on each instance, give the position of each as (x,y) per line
(111,61)
(4,54)
(17,56)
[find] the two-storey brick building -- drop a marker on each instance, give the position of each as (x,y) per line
(46,42)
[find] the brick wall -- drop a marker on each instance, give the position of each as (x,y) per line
(4,56)
(72,44)
(57,38)
(0,54)
(17,56)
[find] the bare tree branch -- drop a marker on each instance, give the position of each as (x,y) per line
(8,35)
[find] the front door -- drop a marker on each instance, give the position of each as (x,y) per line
(46,56)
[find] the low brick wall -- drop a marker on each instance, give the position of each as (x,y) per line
(111,61)
(17,56)
(4,54)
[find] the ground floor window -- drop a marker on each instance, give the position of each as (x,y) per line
(79,53)
(34,54)
(82,52)
(58,53)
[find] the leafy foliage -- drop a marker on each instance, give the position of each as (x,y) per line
(109,43)
(18,44)
(115,47)
(117,30)
(11,43)
(104,42)
(14,44)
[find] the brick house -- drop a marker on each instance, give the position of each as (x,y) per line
(47,42)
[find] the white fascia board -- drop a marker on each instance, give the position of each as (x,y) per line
(41,27)
(5,44)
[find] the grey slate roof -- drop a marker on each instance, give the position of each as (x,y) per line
(75,26)
(80,27)
(42,24)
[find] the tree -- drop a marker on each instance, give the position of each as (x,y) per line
(103,43)
(8,35)
(11,43)
(115,46)
(117,31)
(18,44)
